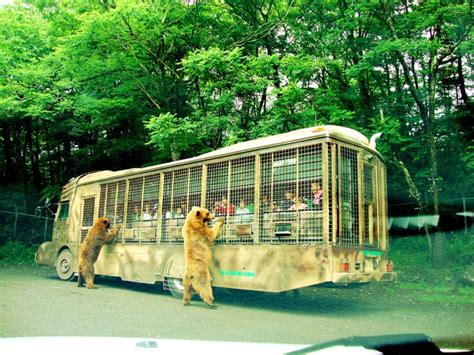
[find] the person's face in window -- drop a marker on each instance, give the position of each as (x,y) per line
(315,188)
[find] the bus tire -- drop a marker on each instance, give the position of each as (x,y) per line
(65,265)
(175,286)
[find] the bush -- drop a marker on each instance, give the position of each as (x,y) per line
(413,261)
(18,253)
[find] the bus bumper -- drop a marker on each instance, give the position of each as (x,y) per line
(347,277)
(46,254)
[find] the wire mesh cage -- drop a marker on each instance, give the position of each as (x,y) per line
(87,216)
(349,196)
(182,191)
(318,193)
(175,204)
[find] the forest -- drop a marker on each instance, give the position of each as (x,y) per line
(111,84)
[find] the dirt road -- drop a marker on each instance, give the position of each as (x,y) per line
(33,302)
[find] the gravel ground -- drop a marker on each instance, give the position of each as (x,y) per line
(34,302)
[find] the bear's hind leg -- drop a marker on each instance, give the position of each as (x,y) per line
(88,274)
(79,278)
(188,290)
(202,285)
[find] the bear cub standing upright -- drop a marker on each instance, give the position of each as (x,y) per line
(98,235)
(198,238)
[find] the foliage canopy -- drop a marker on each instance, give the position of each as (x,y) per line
(88,85)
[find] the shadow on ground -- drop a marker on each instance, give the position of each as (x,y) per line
(335,302)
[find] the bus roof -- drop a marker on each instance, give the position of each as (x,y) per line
(330,131)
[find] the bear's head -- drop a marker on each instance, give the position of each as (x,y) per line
(201,215)
(103,222)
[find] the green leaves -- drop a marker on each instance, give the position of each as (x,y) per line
(90,85)
(171,135)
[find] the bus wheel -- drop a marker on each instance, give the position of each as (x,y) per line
(64,265)
(175,286)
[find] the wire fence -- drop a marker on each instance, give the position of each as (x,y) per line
(454,214)
(26,228)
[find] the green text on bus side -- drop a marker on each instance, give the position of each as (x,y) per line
(236,273)
(371,253)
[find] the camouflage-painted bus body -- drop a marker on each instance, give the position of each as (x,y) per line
(300,209)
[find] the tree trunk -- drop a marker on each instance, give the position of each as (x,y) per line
(462,86)
(414,192)
(427,112)
(438,254)
(7,169)
(32,154)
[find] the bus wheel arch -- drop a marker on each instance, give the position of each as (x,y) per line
(65,264)
(173,275)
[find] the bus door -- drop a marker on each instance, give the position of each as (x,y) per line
(61,225)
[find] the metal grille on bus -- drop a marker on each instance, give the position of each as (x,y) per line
(291,201)
(370,206)
(330,198)
(217,194)
(349,197)
(182,191)
(103,189)
(143,198)
(87,216)
(231,195)
(112,196)
(134,206)
(176,183)
(289,211)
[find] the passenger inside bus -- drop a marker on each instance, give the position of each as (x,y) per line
(147,214)
(289,200)
(179,213)
(243,208)
(244,212)
(298,205)
(316,196)
(184,208)
(223,207)
(266,205)
(136,214)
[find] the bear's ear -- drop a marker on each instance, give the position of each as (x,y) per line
(198,213)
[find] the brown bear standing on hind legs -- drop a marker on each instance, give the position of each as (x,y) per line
(198,238)
(98,235)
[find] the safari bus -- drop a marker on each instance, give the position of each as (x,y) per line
(302,208)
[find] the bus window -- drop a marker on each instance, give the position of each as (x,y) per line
(134,211)
(111,203)
(349,197)
(194,195)
(180,193)
(310,176)
(217,189)
(242,197)
(167,195)
(64,210)
(87,216)
(278,191)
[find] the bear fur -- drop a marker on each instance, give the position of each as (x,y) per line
(97,236)
(198,238)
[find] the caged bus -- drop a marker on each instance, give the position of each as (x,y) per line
(301,208)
